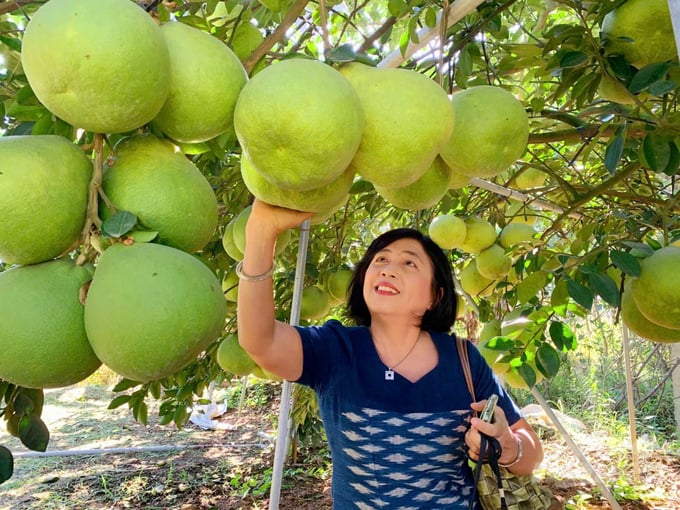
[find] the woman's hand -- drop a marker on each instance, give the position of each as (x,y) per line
(499,429)
(278,219)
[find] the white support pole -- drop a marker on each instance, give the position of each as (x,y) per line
(457,11)
(631,404)
(674,7)
(284,426)
(574,447)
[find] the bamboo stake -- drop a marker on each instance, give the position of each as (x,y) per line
(457,11)
(631,405)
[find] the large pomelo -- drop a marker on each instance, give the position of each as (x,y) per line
(657,290)
(641,31)
(42,338)
(44,182)
(314,303)
(300,122)
(408,119)
(493,263)
(479,235)
(490,131)
(238,234)
(640,325)
(448,231)
(473,282)
(151,309)
(338,282)
(233,358)
(317,200)
(100,65)
(166,191)
(514,234)
(424,193)
(206,78)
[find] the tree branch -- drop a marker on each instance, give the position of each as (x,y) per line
(276,36)
(10,6)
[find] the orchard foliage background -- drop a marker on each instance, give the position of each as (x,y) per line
(609,196)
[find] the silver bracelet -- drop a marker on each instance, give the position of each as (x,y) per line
(519,454)
(252,278)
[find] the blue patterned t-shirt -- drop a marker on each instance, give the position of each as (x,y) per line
(395,443)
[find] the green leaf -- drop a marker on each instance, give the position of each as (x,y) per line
(33,433)
(180,416)
(547,360)
(430,17)
(648,75)
(527,373)
(119,224)
(125,384)
(613,154)
(573,59)
(465,61)
(563,337)
(500,343)
(626,263)
(605,287)
(140,411)
(143,236)
(530,286)
(119,401)
(342,53)
(580,293)
(396,7)
(6,464)
(657,151)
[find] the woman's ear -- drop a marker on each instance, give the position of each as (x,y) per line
(437,298)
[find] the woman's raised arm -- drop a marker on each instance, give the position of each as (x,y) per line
(274,345)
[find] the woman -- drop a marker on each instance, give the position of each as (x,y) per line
(392,394)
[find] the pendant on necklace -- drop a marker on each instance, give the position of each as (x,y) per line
(389,374)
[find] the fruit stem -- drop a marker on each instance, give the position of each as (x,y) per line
(92,215)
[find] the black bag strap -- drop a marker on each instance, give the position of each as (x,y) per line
(490,449)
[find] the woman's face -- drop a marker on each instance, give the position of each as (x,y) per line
(398,281)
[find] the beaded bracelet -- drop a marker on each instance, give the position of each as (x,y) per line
(518,457)
(252,278)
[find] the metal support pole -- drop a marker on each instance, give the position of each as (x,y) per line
(284,426)
(631,404)
(574,447)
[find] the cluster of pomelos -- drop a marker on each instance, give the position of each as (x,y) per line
(145,309)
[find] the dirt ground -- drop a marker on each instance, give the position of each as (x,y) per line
(160,467)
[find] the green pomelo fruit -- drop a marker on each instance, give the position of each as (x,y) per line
(515,234)
(641,31)
(233,358)
(474,283)
(245,39)
(490,329)
(206,78)
(479,235)
(424,193)
(44,182)
(165,190)
(230,286)
(229,244)
(448,231)
(458,180)
(493,263)
(337,283)
(42,338)
(300,122)
(316,200)
(612,90)
(517,212)
(151,309)
(315,303)
(530,178)
(640,325)
(490,132)
(515,380)
(102,66)
(265,374)
(239,233)
(657,290)
(408,119)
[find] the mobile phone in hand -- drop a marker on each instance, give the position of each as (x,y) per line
(487,413)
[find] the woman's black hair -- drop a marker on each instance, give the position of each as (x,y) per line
(442,314)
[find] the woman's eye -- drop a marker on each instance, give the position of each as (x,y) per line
(411,263)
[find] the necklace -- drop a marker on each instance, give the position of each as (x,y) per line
(389,373)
